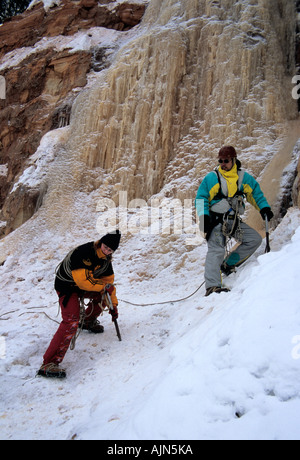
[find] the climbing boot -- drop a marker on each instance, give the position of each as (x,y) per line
(52,370)
(93,326)
(216,289)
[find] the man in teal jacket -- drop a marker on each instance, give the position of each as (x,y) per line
(219,204)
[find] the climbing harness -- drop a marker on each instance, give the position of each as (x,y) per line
(231,220)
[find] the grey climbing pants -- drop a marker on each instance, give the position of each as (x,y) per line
(251,240)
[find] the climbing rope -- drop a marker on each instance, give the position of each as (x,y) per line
(165,302)
(83,314)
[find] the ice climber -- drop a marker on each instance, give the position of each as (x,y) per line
(86,272)
(219,203)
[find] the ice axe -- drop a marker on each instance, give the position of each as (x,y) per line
(268,249)
(111,307)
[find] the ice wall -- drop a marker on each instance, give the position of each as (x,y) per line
(199,74)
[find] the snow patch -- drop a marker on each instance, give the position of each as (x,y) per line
(220,367)
(47,4)
(3,170)
(40,161)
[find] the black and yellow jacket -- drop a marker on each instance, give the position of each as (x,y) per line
(85,269)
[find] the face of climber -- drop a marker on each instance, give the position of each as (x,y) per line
(226,164)
(106,250)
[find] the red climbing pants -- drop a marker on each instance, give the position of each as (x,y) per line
(70,311)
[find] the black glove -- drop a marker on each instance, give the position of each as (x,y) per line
(114,313)
(266,213)
(205,223)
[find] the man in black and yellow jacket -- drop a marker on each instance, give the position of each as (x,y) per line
(86,272)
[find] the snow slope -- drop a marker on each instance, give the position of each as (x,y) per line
(222,367)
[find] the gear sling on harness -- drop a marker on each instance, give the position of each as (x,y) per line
(228,208)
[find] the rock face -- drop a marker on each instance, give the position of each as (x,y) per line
(66,19)
(35,90)
(41,86)
(296,187)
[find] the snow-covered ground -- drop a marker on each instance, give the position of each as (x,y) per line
(220,367)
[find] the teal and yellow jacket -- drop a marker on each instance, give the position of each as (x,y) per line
(211,194)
